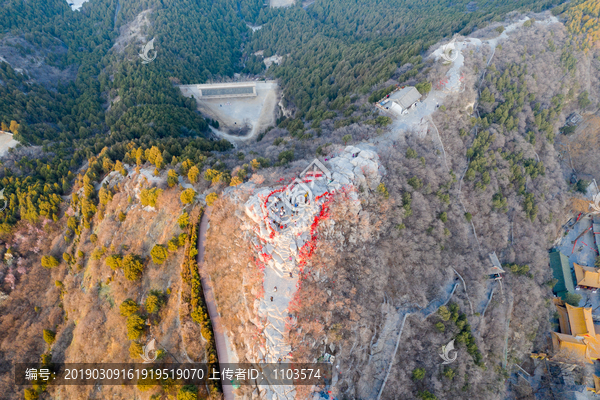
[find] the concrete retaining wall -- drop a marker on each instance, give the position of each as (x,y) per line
(223,90)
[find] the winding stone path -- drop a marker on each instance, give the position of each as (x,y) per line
(223,348)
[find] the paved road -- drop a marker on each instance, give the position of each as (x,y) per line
(6,141)
(209,297)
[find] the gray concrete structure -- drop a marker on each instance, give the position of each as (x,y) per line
(224,90)
(406,97)
(400,101)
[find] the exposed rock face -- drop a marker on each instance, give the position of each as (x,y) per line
(284,222)
(133,32)
(357,165)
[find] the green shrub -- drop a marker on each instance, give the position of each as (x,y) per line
(582,185)
(454,309)
(46,358)
(122,216)
(188,196)
(529,206)
(449,373)
(440,327)
(93,238)
(423,87)
(181,239)
(518,269)
(444,313)
(444,217)
(551,283)
(188,392)
(461,321)
(381,93)
(584,100)
(172,178)
(572,299)
(184,220)
(154,302)
(49,262)
(410,153)
(30,394)
(382,190)
(199,316)
(133,267)
(193,174)
(97,253)
(383,120)
(499,202)
(159,254)
(49,336)
(147,384)
(135,350)
(135,326)
(173,244)
(114,261)
(128,307)
(418,374)
(286,156)
(149,197)
(415,182)
(211,198)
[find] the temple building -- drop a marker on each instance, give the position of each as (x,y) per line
(577,341)
(587,277)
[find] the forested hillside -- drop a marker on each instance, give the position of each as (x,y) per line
(583,23)
(338,48)
(483,176)
(107,143)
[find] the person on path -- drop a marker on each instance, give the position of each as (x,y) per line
(275,289)
(271,298)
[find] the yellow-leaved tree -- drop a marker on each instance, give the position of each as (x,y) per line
(210,198)
(14,127)
(193,174)
(188,196)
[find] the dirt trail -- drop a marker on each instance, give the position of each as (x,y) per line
(221,340)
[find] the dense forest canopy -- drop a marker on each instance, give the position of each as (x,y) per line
(338,47)
(338,50)
(583,21)
(495,167)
